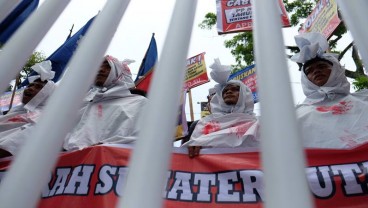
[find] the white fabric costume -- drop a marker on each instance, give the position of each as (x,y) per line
(330,116)
(19,121)
(228,125)
(111,112)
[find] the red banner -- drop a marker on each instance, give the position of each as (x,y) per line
(93,177)
(236,15)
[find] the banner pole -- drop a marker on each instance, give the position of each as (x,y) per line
(17,81)
(191,105)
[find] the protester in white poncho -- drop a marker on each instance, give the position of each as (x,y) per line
(111,111)
(330,116)
(18,122)
(232,122)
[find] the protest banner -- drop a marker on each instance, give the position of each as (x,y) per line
(236,15)
(323,19)
(196,72)
(217,178)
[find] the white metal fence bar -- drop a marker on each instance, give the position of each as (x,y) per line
(21,45)
(6,7)
(356,17)
(150,160)
(282,153)
(31,168)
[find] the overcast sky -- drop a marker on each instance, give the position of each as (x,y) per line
(143,18)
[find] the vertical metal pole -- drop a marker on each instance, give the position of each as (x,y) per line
(19,47)
(6,7)
(30,170)
(191,105)
(17,82)
(150,159)
(355,16)
(282,153)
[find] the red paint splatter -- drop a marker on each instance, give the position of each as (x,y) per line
(341,108)
(18,119)
(99,110)
(240,129)
(349,140)
(210,127)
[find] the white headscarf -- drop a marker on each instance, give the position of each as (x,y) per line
(313,45)
(118,82)
(119,74)
(45,74)
(228,125)
(220,73)
(245,103)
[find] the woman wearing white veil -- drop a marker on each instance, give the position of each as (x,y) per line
(330,116)
(232,122)
(17,123)
(110,113)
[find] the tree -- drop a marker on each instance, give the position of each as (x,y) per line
(35,58)
(241,45)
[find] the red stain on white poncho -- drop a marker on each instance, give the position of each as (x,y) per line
(99,110)
(240,129)
(23,117)
(210,127)
(341,108)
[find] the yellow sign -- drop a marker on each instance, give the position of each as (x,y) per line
(323,19)
(196,72)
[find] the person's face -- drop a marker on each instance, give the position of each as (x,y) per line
(230,94)
(32,90)
(318,72)
(102,74)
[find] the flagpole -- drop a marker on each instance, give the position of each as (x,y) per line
(70,33)
(191,105)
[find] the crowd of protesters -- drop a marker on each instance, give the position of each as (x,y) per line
(329,117)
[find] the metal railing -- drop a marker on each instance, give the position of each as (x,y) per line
(282,152)
(39,154)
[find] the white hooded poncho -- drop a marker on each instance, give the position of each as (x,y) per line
(228,125)
(20,120)
(330,117)
(110,114)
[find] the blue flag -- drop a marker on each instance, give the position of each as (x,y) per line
(15,19)
(149,61)
(62,55)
